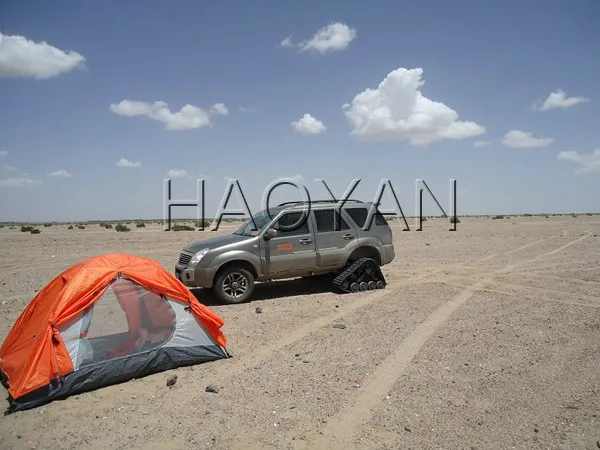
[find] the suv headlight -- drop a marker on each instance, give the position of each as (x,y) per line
(198,256)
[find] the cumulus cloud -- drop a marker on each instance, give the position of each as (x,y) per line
(177,173)
(219,108)
(586,163)
(333,37)
(307,124)
(559,99)
(10,168)
(482,143)
(24,58)
(21,182)
(187,118)
(522,139)
(126,163)
(60,173)
(3,153)
(397,111)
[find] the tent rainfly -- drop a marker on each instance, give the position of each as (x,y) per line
(103,321)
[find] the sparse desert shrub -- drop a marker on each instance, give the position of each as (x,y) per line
(547,217)
(454,220)
(500,216)
(26,228)
(1,225)
(574,215)
(81,227)
(47,225)
(121,228)
(141,225)
(35,231)
(182,228)
(527,215)
(70,227)
(589,214)
(205,222)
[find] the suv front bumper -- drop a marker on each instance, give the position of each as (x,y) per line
(195,276)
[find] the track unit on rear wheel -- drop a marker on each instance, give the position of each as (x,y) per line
(362,275)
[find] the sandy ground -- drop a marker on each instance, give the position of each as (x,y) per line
(487,337)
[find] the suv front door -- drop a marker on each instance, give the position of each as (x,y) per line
(292,250)
(333,236)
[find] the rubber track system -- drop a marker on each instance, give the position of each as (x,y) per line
(362,275)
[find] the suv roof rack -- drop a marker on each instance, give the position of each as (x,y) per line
(302,202)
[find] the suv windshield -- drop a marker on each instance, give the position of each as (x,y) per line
(261,219)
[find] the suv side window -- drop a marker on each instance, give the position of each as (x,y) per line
(292,224)
(359,215)
(379,219)
(329,220)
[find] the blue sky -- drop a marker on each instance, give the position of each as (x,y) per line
(458,73)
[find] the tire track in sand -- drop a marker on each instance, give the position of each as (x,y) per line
(261,354)
(531,244)
(341,430)
(595,300)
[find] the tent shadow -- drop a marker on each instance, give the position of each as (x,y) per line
(275,289)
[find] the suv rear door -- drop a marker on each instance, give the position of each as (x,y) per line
(333,233)
(291,250)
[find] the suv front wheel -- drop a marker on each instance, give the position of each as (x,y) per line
(234,285)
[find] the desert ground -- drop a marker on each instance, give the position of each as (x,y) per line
(485,338)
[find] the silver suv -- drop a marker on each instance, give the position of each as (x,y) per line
(295,239)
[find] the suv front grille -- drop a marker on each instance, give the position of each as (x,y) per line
(184,259)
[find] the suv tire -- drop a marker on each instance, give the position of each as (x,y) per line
(233,285)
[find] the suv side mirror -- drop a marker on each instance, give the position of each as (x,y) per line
(270,234)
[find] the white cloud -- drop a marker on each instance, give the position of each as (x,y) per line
(243,109)
(307,124)
(19,182)
(126,163)
(10,168)
(587,163)
(21,57)
(398,111)
(333,37)
(219,108)
(559,99)
(187,118)
(177,173)
(521,139)
(3,153)
(60,173)
(482,143)
(287,42)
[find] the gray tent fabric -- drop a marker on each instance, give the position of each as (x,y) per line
(118,370)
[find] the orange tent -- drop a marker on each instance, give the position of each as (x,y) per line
(102,321)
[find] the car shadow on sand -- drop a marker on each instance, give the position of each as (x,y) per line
(275,289)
